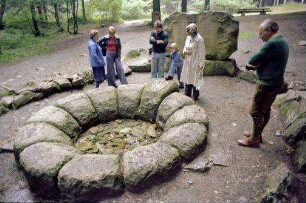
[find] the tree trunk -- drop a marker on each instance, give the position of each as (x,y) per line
(56,16)
(83,11)
(156,11)
(44,7)
(34,20)
(2,9)
(184,6)
(207,5)
(40,13)
(74,10)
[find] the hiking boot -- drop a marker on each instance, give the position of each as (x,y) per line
(247,142)
(248,134)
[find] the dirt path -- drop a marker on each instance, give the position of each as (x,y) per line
(226,101)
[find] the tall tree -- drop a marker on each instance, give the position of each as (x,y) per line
(36,30)
(207,5)
(2,9)
(44,7)
(83,11)
(72,8)
(56,15)
(156,11)
(184,6)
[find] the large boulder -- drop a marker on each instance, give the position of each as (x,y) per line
(219,30)
(38,132)
(129,97)
(80,107)
(187,138)
(7,101)
(141,65)
(188,114)
(293,106)
(293,110)
(105,101)
(41,163)
(279,185)
(58,118)
(169,105)
(90,177)
(25,98)
(227,68)
(296,131)
(63,83)
(299,157)
(153,94)
(3,109)
(145,162)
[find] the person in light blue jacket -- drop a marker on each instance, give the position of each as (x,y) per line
(96,58)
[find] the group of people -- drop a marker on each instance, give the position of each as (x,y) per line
(110,47)
(269,63)
(190,70)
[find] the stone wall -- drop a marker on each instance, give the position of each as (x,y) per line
(219,29)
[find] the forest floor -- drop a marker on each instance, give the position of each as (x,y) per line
(226,101)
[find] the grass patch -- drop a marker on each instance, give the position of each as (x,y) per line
(15,45)
(288,8)
(18,43)
(247,35)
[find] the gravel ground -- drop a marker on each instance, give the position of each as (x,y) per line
(226,101)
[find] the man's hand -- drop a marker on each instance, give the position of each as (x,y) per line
(159,41)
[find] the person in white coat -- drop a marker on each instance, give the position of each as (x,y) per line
(194,52)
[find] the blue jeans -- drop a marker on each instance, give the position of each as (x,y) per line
(158,62)
(99,74)
(175,67)
(111,59)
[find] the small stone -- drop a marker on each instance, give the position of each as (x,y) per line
(216,192)
(234,124)
(278,133)
(302,43)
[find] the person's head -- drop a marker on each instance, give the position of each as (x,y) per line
(192,29)
(267,29)
(174,47)
(158,26)
(111,30)
(94,34)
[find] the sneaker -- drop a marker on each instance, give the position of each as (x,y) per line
(247,142)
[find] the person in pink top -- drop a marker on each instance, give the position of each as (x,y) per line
(111,48)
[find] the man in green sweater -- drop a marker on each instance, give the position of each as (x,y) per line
(270,63)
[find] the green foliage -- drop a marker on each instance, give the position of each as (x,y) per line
(134,9)
(88,77)
(247,35)
(230,6)
(16,44)
(104,10)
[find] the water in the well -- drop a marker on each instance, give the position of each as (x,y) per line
(117,136)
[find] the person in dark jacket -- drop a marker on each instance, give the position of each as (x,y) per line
(159,41)
(270,64)
(96,58)
(112,47)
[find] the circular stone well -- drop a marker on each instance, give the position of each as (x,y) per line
(57,158)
